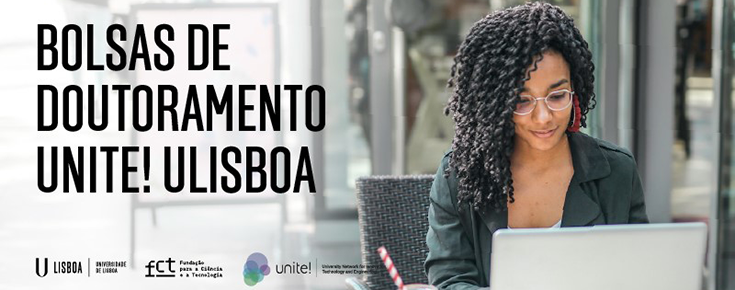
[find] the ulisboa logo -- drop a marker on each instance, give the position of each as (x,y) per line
(255,269)
(38,267)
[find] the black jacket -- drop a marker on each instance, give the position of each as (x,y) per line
(605,189)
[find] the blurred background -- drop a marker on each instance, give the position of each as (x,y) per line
(664,81)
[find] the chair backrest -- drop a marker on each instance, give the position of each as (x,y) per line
(393,212)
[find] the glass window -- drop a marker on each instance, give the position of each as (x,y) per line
(725,276)
(693,100)
(346,70)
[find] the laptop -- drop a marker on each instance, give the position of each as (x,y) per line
(604,257)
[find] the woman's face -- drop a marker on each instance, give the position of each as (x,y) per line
(543,129)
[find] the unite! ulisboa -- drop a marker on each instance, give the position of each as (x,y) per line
(76,169)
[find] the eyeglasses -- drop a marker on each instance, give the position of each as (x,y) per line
(555,101)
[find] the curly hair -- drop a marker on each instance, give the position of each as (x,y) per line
(488,74)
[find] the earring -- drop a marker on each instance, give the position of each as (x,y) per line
(574,117)
(576,114)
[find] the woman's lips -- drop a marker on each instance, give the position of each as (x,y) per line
(544,133)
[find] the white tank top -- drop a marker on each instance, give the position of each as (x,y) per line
(557,225)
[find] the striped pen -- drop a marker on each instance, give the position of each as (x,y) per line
(391,268)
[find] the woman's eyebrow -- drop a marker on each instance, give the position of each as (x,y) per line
(552,86)
(559,83)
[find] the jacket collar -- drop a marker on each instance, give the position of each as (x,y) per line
(579,208)
(587,158)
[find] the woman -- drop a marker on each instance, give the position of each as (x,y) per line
(522,86)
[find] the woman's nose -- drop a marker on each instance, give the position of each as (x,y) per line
(541,113)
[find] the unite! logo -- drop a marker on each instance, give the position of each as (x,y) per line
(255,269)
(45,267)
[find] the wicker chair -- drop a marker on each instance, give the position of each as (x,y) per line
(393,212)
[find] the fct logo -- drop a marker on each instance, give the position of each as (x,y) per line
(255,269)
(160,270)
